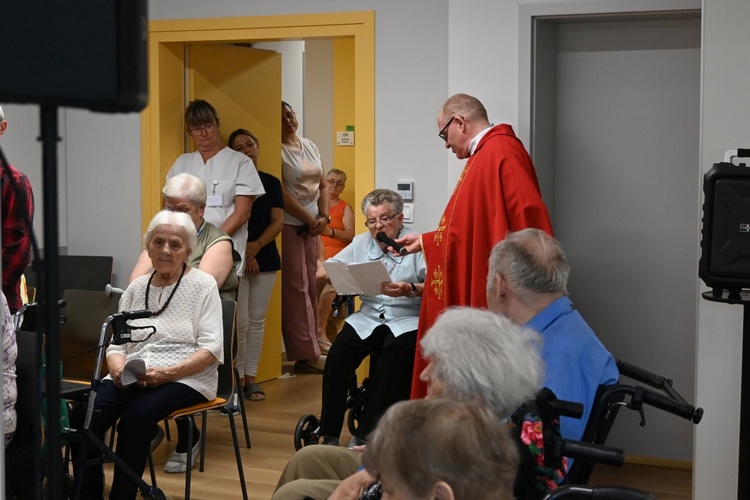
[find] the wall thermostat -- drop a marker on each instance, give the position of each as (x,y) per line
(405,189)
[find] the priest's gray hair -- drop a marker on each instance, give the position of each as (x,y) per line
(477,354)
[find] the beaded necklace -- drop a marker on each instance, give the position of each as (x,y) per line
(169,299)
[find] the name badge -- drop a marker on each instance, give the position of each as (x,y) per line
(213,200)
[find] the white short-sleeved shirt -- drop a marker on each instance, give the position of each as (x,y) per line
(226,174)
(301,172)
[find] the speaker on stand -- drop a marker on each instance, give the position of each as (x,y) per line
(725,267)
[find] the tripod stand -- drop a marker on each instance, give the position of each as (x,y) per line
(86,437)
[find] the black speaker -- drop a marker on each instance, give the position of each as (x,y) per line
(725,242)
(76,53)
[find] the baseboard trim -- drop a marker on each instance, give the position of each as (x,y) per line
(659,462)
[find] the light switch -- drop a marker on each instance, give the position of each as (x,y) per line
(408,213)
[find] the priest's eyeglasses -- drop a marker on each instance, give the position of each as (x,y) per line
(443,134)
(383,220)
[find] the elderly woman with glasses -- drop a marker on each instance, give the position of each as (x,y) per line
(386,324)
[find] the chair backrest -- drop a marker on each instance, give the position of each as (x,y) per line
(226,371)
(80,272)
(85,312)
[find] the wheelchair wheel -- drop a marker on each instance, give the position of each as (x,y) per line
(305,432)
(354,417)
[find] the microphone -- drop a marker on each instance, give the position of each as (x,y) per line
(383,238)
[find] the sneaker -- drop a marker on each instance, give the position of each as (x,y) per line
(233,409)
(331,441)
(355,441)
(177,463)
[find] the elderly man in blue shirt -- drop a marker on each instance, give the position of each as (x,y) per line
(385,325)
(527,282)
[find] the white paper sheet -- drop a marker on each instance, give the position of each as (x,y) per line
(132,369)
(357,279)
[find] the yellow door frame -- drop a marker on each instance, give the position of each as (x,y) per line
(162,128)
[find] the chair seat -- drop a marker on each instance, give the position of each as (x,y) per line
(192,410)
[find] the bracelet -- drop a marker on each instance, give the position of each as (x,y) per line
(333,234)
(259,243)
(413,292)
(326,217)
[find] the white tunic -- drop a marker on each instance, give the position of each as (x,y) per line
(227,174)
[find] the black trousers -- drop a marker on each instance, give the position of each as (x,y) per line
(389,383)
(139,411)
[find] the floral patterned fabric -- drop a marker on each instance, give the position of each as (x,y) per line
(536,428)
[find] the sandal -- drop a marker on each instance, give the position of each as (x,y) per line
(324,345)
(253,392)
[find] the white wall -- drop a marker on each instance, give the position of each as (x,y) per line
(724,125)
(426,50)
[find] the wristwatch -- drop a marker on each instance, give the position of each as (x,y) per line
(413,292)
(326,217)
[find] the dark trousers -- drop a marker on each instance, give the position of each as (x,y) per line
(389,383)
(139,411)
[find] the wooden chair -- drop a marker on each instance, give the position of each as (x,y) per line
(223,396)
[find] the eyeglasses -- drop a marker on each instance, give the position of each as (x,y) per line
(203,128)
(443,134)
(383,220)
(332,182)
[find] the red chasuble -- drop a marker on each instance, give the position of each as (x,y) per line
(497,193)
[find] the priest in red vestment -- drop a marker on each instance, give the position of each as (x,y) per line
(497,192)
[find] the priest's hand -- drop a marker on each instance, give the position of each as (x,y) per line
(411,242)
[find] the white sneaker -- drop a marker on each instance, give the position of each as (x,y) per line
(177,462)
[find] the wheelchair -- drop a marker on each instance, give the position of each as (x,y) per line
(306,431)
(609,400)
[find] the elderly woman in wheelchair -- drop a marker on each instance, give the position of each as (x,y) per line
(180,344)
(385,325)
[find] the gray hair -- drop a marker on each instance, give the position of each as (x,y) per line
(421,442)
(379,196)
(2,115)
(477,354)
(185,186)
(466,106)
(176,219)
(531,260)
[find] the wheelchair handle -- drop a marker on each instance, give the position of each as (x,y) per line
(649,378)
(590,452)
(675,407)
(565,408)
(640,374)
